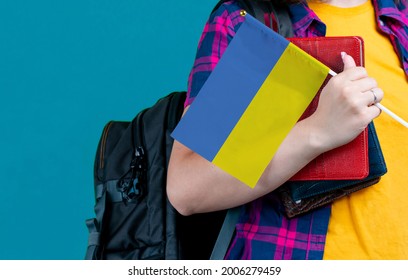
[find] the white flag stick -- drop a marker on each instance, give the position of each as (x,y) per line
(391,114)
(382,108)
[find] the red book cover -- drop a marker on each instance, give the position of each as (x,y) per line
(348,162)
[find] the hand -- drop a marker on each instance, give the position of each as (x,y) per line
(345,106)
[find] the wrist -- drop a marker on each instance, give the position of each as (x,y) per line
(317,140)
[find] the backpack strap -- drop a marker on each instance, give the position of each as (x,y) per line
(94,225)
(226,233)
(275,15)
(272,13)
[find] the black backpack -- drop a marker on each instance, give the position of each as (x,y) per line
(133,217)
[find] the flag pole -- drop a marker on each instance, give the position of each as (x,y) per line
(391,114)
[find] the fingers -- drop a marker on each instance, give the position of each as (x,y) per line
(351,71)
(373,112)
(374,95)
(367,91)
(348,61)
(361,82)
(377,96)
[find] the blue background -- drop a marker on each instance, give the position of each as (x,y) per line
(67,68)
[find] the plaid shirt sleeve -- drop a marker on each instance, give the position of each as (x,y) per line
(218,32)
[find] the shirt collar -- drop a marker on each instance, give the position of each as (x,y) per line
(305,21)
(387,8)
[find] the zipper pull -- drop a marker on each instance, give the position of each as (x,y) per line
(132,182)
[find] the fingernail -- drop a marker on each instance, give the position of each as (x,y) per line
(343,54)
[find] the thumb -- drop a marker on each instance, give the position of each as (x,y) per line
(348,61)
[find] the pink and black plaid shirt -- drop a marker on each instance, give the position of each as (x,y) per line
(263,231)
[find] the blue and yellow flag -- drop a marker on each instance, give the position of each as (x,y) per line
(253,98)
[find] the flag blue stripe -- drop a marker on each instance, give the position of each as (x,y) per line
(231,87)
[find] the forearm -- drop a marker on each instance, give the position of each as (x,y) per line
(195,185)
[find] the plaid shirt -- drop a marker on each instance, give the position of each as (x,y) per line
(263,231)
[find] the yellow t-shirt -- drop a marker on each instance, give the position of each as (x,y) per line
(372,223)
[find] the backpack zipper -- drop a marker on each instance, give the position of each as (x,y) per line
(140,142)
(132,183)
(103,144)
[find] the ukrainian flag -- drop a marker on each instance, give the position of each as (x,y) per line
(253,98)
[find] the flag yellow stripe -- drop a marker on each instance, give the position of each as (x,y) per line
(274,110)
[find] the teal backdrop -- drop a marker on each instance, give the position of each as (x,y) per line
(66,68)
